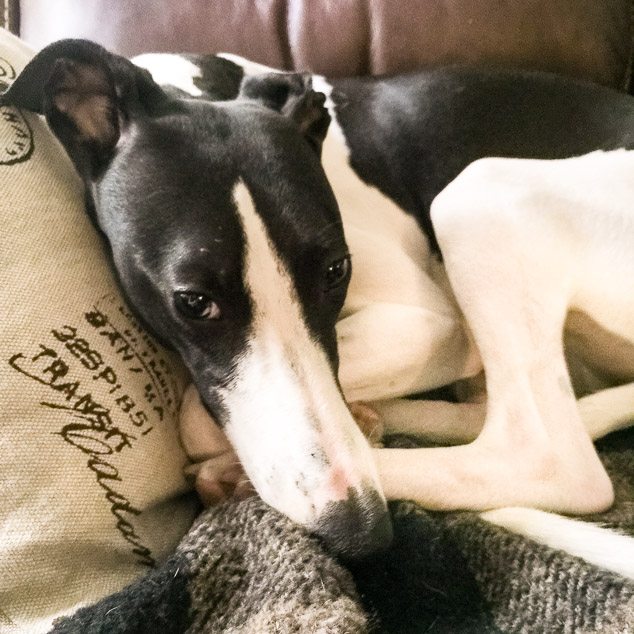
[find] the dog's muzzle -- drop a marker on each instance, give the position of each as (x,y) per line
(356,527)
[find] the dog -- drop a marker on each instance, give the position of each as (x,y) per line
(229,242)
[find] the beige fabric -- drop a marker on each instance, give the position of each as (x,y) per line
(91,485)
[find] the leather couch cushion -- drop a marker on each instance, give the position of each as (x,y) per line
(583,38)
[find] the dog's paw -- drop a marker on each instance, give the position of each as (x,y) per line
(368,421)
(219,478)
(216,472)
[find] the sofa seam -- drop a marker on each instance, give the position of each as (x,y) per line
(629,68)
(282,28)
(368,53)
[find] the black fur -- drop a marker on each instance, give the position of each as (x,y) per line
(411,135)
(159,175)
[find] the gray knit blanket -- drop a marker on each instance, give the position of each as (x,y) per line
(243,568)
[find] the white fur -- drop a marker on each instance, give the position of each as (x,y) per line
(586,201)
(600,546)
(524,241)
(172,70)
(608,410)
(284,405)
(249,67)
(398,320)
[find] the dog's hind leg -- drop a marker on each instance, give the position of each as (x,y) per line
(511,261)
(444,422)
(439,422)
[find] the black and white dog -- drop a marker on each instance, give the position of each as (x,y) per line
(230,243)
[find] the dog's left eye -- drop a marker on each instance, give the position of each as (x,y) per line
(196,305)
(337,272)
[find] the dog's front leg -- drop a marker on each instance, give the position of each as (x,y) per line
(511,264)
(215,468)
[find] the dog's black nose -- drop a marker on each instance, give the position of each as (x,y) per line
(356,527)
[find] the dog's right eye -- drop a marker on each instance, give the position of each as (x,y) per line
(196,305)
(337,272)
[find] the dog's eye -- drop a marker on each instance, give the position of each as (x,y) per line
(337,272)
(196,305)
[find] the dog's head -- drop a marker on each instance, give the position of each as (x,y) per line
(228,242)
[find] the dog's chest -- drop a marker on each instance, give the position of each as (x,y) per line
(391,258)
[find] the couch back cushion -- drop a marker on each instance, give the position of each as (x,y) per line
(581,38)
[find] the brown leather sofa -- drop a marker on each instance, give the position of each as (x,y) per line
(582,38)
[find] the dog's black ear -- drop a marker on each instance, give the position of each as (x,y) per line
(292,95)
(88,96)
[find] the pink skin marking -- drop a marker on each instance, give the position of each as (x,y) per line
(343,472)
(335,489)
(338,484)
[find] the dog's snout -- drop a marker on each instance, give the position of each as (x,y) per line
(355,527)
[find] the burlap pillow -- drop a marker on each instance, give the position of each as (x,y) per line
(91,485)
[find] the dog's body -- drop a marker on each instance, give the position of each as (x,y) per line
(240,200)
(401,330)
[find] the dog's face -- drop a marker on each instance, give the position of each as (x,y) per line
(200,207)
(228,242)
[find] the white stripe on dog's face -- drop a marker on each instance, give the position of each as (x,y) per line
(287,419)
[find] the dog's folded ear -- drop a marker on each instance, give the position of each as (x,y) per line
(292,95)
(88,96)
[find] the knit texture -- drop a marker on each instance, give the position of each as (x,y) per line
(243,568)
